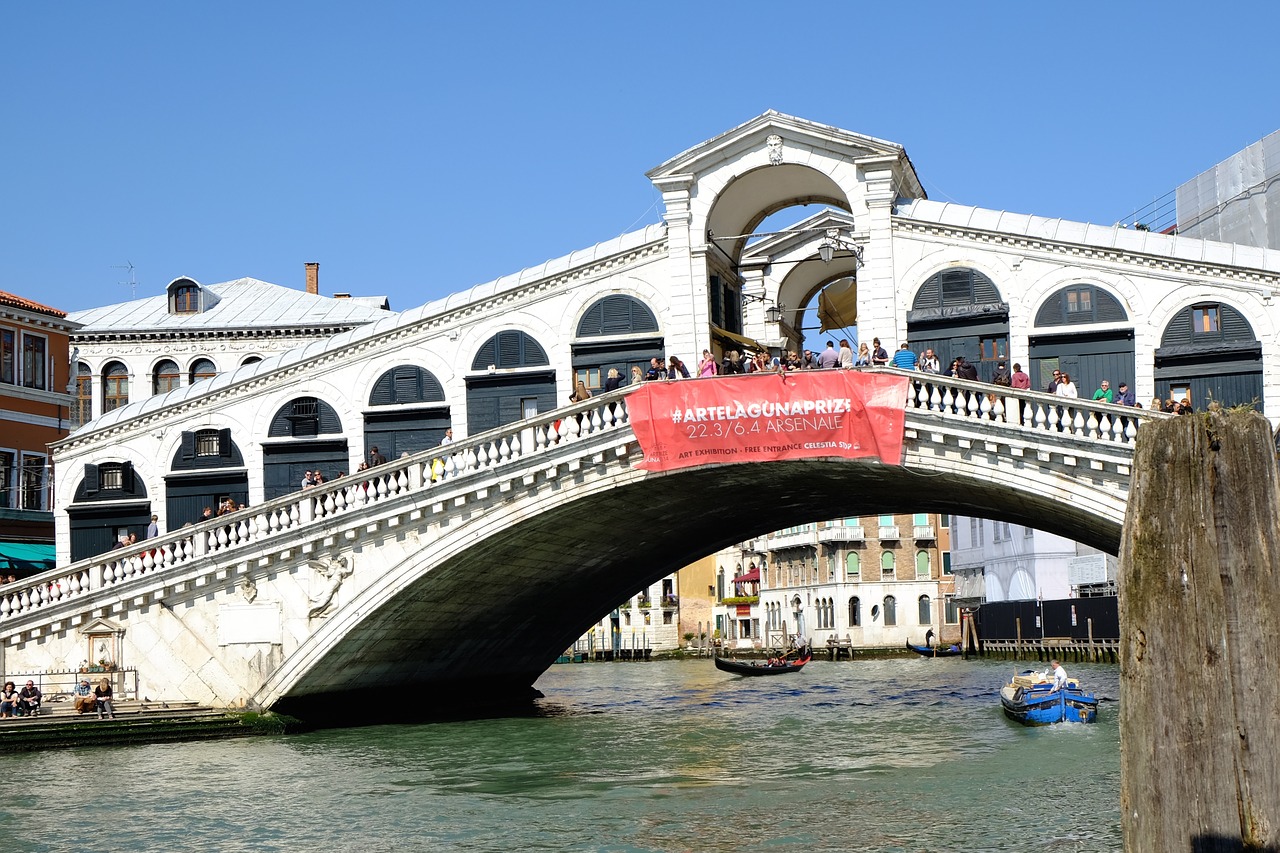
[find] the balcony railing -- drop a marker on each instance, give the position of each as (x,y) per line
(889,532)
(808,539)
(842,534)
(923,531)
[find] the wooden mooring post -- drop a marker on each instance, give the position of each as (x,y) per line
(1200,623)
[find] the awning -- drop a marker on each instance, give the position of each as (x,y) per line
(26,557)
(749,577)
(838,305)
(741,340)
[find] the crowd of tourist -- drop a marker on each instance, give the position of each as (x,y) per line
(840,355)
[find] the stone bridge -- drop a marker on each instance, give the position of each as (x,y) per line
(471,571)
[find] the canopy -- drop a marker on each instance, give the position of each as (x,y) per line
(741,340)
(26,557)
(753,575)
(838,305)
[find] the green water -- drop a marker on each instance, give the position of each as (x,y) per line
(910,755)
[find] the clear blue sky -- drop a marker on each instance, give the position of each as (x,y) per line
(415,149)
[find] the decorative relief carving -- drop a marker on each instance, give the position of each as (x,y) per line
(774,145)
(331,573)
(249,589)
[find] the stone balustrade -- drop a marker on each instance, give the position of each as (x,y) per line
(536,443)
(935,404)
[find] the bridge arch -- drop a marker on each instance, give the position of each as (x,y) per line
(749,198)
(561,564)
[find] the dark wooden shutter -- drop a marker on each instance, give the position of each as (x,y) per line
(188,448)
(90,479)
(224,443)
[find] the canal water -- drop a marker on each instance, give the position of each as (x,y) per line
(893,755)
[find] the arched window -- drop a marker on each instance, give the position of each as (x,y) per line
(1078,304)
(855,612)
(959,286)
(83,411)
(616,314)
(250,359)
(186,298)
(890,610)
(886,563)
(853,565)
(406,383)
(720,585)
(922,564)
(203,368)
(926,611)
(303,417)
(115,386)
(167,377)
(512,348)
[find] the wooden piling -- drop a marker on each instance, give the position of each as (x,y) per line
(1199,618)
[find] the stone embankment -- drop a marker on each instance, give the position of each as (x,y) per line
(136,721)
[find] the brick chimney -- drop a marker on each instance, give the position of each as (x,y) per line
(313,278)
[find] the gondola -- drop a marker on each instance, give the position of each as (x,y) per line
(936,651)
(742,667)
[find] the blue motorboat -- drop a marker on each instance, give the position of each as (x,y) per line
(1029,698)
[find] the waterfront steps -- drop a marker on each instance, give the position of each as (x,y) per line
(135,722)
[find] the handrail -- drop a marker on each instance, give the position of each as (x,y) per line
(955,400)
(226,534)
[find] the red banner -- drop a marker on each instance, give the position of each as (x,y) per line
(764,417)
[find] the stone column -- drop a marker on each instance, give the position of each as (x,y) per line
(686,327)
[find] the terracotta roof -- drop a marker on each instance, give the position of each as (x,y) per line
(7,298)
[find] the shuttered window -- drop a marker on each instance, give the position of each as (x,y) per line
(616,315)
(1079,304)
(956,287)
(1208,323)
(510,349)
(303,417)
(406,383)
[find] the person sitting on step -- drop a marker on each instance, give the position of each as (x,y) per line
(102,699)
(29,700)
(84,699)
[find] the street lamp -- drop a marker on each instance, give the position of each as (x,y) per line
(833,242)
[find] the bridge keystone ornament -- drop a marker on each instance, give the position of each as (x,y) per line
(774,145)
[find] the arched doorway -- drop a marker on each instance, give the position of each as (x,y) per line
(1066,343)
(617,331)
(958,312)
(301,427)
(513,380)
(207,469)
(408,412)
(1209,352)
(110,501)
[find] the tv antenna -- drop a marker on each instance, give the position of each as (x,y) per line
(133,279)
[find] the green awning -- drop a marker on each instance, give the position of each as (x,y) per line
(26,557)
